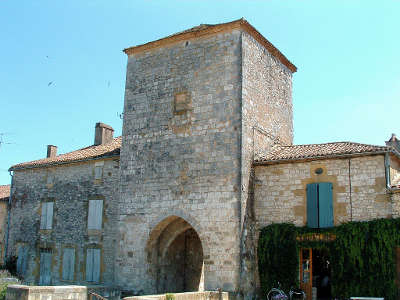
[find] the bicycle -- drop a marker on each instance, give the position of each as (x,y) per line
(279,294)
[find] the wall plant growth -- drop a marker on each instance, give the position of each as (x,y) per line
(362,256)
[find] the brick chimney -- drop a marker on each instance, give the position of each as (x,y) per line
(51,151)
(104,134)
(394,142)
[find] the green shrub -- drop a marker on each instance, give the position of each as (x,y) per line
(169,296)
(362,256)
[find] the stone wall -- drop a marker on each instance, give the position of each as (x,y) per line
(23,292)
(396,204)
(359,190)
(70,187)
(182,162)
(3,226)
(266,120)
(394,170)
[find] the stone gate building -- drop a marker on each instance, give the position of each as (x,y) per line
(205,160)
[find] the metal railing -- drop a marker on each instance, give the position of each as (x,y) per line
(95,296)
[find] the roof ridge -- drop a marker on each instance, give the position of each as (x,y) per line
(81,154)
(87,147)
(332,143)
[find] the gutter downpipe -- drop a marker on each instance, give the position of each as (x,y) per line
(8,218)
(387,172)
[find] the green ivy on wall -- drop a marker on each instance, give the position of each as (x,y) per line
(362,256)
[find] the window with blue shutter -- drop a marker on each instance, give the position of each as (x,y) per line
(46,220)
(319,205)
(22,260)
(95,214)
(45,266)
(93,265)
(68,264)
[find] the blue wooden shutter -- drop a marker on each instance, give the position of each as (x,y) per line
(45,268)
(68,264)
(89,264)
(93,265)
(312,205)
(50,208)
(95,214)
(43,218)
(96,265)
(22,260)
(325,205)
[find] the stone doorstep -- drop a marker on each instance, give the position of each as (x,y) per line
(184,296)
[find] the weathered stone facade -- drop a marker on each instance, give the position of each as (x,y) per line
(196,164)
(359,190)
(183,197)
(70,188)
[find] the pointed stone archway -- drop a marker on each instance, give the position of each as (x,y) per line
(175,256)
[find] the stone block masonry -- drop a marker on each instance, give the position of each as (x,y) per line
(191,109)
(185,164)
(70,188)
(359,190)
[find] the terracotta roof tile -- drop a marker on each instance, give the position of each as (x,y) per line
(91,152)
(316,151)
(4,192)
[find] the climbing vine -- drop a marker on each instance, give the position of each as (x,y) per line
(362,256)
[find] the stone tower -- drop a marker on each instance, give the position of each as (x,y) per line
(198,105)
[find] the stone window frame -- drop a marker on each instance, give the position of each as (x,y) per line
(91,231)
(76,261)
(101,264)
(98,171)
(48,200)
(49,178)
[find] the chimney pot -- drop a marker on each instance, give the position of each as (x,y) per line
(394,142)
(51,151)
(104,134)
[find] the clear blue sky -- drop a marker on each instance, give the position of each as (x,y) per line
(347,52)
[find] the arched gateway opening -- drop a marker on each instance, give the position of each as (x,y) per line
(175,255)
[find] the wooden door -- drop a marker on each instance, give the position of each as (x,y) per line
(306,271)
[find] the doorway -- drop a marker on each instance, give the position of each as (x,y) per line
(175,256)
(315,273)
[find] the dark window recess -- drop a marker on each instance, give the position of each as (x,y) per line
(319,205)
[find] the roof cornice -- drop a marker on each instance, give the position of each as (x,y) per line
(240,24)
(316,157)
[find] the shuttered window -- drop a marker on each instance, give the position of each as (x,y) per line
(98,172)
(93,265)
(68,264)
(319,205)
(45,267)
(46,220)
(95,214)
(22,260)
